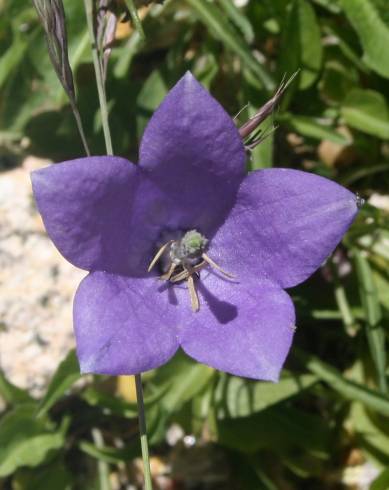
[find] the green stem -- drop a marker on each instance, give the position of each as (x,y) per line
(135,18)
(143,432)
(80,127)
(108,144)
(99,76)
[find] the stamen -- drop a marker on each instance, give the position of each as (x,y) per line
(169,273)
(217,267)
(184,274)
(184,258)
(181,276)
(194,299)
(159,254)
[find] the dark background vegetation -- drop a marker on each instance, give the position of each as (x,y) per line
(329,413)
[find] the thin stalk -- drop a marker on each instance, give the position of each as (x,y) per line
(135,18)
(143,432)
(108,143)
(346,312)
(99,76)
(77,117)
(102,466)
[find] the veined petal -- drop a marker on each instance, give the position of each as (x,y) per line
(102,213)
(123,325)
(243,328)
(193,151)
(284,225)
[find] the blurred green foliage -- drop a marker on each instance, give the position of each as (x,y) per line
(332,401)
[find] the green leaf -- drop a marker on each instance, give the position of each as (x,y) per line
(219,27)
(239,397)
(310,42)
(330,5)
(367,431)
(382,481)
(67,374)
(278,428)
(150,96)
(367,111)
(313,128)
(382,282)
(347,389)
(102,466)
(239,19)
(371,305)
(183,378)
(378,243)
(11,393)
(372,31)
(110,454)
(107,401)
(48,477)
(301,46)
(337,81)
(12,58)
(25,441)
(338,33)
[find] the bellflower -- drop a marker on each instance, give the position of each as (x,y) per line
(185,249)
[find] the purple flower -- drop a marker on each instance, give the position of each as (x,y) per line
(190,202)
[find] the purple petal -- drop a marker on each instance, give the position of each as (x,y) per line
(123,325)
(284,225)
(101,213)
(193,151)
(242,328)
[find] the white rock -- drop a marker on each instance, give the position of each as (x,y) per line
(36,287)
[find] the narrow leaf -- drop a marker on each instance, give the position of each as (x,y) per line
(313,128)
(67,374)
(238,397)
(367,111)
(239,19)
(213,18)
(371,305)
(346,388)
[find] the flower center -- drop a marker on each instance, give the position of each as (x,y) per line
(189,249)
(182,259)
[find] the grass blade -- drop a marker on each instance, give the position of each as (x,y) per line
(370,303)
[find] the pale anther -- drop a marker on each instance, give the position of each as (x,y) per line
(216,266)
(159,254)
(194,299)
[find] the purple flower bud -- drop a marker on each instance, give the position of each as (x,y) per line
(52,16)
(263,113)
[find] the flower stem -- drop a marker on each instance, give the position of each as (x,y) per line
(80,127)
(108,143)
(99,76)
(143,432)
